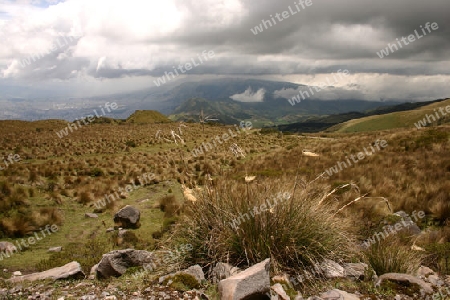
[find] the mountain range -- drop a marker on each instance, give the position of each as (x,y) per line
(228,100)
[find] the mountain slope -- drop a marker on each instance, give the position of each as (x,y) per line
(183,101)
(396,119)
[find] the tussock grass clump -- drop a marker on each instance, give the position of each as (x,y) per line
(170,206)
(246,223)
(390,256)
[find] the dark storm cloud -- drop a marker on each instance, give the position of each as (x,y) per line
(326,36)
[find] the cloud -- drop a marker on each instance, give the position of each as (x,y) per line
(250,96)
(142,39)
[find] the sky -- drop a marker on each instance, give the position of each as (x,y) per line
(92,47)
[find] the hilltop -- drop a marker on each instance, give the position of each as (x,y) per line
(147,117)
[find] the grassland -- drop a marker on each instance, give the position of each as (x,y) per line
(65,176)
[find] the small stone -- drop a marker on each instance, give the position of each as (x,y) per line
(55,249)
(332,269)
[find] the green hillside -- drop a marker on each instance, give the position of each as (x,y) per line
(394,120)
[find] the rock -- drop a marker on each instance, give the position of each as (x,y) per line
(435,280)
(332,269)
(397,277)
(409,227)
(223,271)
(355,270)
(91,215)
(278,289)
(93,272)
(17,273)
(110,229)
(338,295)
(116,263)
(69,271)
(7,247)
(423,272)
(252,282)
(195,272)
(403,215)
(128,217)
(55,249)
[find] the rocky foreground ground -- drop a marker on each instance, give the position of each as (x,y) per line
(224,282)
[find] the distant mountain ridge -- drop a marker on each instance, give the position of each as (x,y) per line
(267,107)
(214,98)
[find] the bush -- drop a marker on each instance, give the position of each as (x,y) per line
(390,256)
(131,144)
(96,172)
(169,205)
(295,233)
(430,137)
(269,130)
(439,257)
(85,197)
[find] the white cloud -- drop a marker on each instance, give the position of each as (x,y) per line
(144,38)
(250,96)
(371,87)
(135,34)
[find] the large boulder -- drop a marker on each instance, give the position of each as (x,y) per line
(116,263)
(7,247)
(252,282)
(69,271)
(128,217)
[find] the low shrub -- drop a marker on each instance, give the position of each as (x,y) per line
(390,256)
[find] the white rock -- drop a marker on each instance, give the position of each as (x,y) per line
(254,281)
